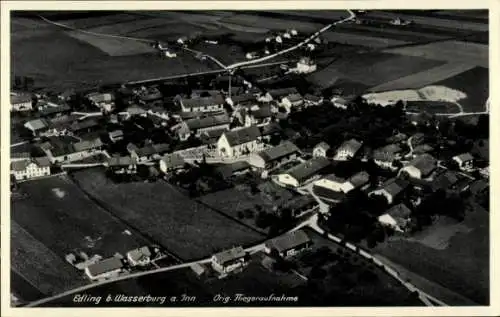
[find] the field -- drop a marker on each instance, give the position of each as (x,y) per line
(59,216)
(449,51)
(462,266)
(113,46)
(432,107)
(364,40)
(33,263)
(175,221)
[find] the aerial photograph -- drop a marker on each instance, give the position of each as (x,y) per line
(286,158)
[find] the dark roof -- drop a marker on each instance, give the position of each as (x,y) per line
(229,255)
(87,145)
(19,165)
(282,92)
(47,111)
(173,160)
(426,163)
(241,136)
(394,186)
(211,121)
(309,168)
(359,179)
(209,137)
(289,241)
(121,161)
(247,97)
(386,153)
(277,152)
(84,124)
(312,98)
(464,157)
(299,202)
(205,101)
(271,128)
(104,266)
(227,170)
(151,149)
(351,145)
(262,112)
(294,97)
(139,254)
(151,94)
(326,193)
(42,161)
(19,98)
(444,180)
(399,211)
(423,148)
(479,186)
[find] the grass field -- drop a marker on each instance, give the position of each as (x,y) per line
(61,217)
(358,39)
(49,273)
(174,220)
(432,106)
(462,266)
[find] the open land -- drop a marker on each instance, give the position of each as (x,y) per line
(184,227)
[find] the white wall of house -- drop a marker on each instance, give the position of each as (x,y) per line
(343,155)
(32,171)
(330,184)
(215,107)
(226,268)
(226,150)
(22,106)
(70,157)
(387,220)
(319,152)
(412,171)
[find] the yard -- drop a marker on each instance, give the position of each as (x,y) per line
(460,262)
(175,221)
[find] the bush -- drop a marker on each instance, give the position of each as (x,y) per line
(240,215)
(249,213)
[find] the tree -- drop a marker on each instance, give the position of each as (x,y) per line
(240,214)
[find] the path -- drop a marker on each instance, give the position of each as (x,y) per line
(19,143)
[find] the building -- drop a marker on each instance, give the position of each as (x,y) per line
(205,104)
(331,182)
(321,149)
(421,167)
(30,168)
(52,110)
(446,180)
(148,152)
(358,180)
(229,260)
(291,101)
(198,126)
(259,117)
(104,101)
(122,164)
(397,218)
(226,171)
(139,257)
(278,94)
(239,142)
(241,100)
(339,102)
(347,150)
(312,100)
(289,244)
(171,162)
(80,127)
(391,189)
(150,95)
(303,172)
(386,156)
(20,102)
(305,65)
(116,135)
(274,156)
(465,161)
(59,151)
(37,127)
(104,269)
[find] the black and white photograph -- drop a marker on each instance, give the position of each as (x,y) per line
(213,158)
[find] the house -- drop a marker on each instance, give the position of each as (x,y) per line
(422,149)
(259,117)
(321,149)
(30,168)
(305,65)
(485,172)
(229,260)
(139,257)
(198,126)
(269,130)
(274,156)
(447,180)
(62,151)
(465,161)
(289,244)
(20,102)
(37,126)
(149,95)
(171,162)
(106,268)
(241,99)
(421,167)
(211,137)
(205,104)
(149,152)
(299,205)
(239,142)
(358,180)
(303,172)
(397,217)
(122,164)
(278,94)
(391,189)
(387,155)
(84,126)
(54,111)
(312,100)
(347,150)
(116,135)
(226,171)
(339,102)
(291,101)
(104,101)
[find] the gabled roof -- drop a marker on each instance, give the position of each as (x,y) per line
(19,98)
(359,179)
(277,152)
(173,160)
(227,170)
(271,128)
(335,178)
(444,180)
(423,148)
(294,97)
(121,161)
(104,266)
(115,133)
(151,149)
(308,168)
(289,241)
(464,157)
(386,153)
(84,124)
(313,98)
(400,211)
(87,145)
(247,97)
(47,111)
(262,112)
(37,124)
(139,254)
(42,161)
(241,136)
(98,97)
(394,186)
(229,255)
(322,145)
(351,145)
(211,121)
(205,101)
(426,163)
(19,165)
(282,92)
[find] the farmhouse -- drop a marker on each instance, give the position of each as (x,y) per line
(274,156)
(321,149)
(289,244)
(171,162)
(465,161)
(239,142)
(391,189)
(37,126)
(291,101)
(229,260)
(445,181)
(199,126)
(54,111)
(226,171)
(299,205)
(421,167)
(397,217)
(358,180)
(387,155)
(278,94)
(30,168)
(84,126)
(139,257)
(106,268)
(20,102)
(206,104)
(304,172)
(148,152)
(241,100)
(259,117)
(331,182)
(60,151)
(122,165)
(347,150)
